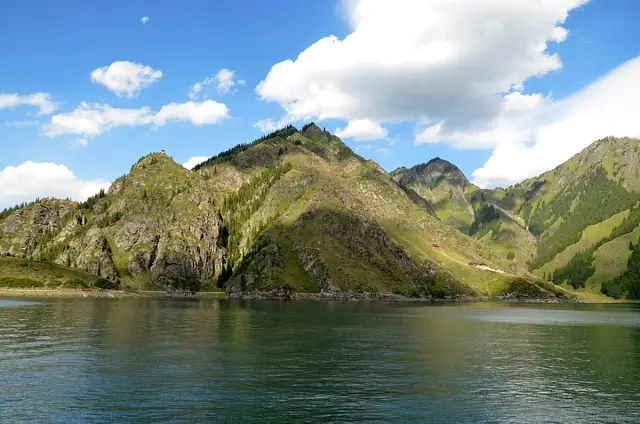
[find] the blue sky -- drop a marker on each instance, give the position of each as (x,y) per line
(56,45)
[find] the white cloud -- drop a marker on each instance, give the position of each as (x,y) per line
(91,119)
(199,113)
(362,130)
(430,60)
(30,123)
(125,78)
(29,180)
(430,134)
(193,161)
(223,82)
(269,125)
(549,132)
(42,101)
(144,20)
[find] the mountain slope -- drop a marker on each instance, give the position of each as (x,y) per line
(463,205)
(157,225)
(380,240)
(577,208)
(294,211)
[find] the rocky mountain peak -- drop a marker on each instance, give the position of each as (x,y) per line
(431,174)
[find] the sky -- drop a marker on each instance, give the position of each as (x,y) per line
(505,89)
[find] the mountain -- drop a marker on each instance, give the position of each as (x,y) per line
(575,225)
(292,212)
(459,203)
(584,215)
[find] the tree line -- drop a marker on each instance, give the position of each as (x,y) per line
(239,207)
(580,268)
(228,154)
(626,285)
(589,202)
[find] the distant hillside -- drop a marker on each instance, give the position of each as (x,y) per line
(583,213)
(463,205)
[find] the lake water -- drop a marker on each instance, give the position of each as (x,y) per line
(161,360)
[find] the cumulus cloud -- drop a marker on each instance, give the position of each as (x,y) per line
(29,180)
(223,81)
(427,60)
(549,132)
(43,101)
(458,70)
(91,119)
(124,78)
(195,160)
(362,130)
(145,20)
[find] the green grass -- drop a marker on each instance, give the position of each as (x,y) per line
(590,236)
(21,273)
(610,260)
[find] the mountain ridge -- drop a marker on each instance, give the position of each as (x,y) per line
(300,212)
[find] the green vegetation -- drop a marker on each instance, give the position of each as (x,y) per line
(240,206)
(577,271)
(21,273)
(8,211)
(626,285)
(91,201)
(592,200)
(230,153)
(298,211)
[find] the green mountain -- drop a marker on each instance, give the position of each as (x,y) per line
(584,214)
(575,225)
(459,203)
(292,212)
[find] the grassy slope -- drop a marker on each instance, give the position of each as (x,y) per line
(22,273)
(590,236)
(610,260)
(617,156)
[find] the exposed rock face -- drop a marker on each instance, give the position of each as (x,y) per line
(20,231)
(431,174)
(160,221)
(91,252)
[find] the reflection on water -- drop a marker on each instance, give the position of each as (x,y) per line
(151,360)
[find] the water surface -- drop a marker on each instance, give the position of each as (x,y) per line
(160,360)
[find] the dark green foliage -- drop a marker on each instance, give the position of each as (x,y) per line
(535,188)
(511,256)
(521,288)
(91,201)
(19,283)
(594,199)
(626,285)
(580,268)
(228,154)
(239,207)
(577,271)
(486,218)
(306,126)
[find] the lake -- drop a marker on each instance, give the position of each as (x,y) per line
(161,360)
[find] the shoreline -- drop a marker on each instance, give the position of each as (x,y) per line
(99,293)
(320,297)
